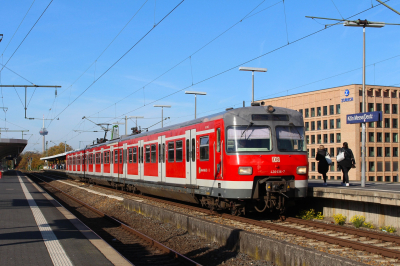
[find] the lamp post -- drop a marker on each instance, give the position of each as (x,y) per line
(162,112)
(195,99)
(363,23)
(252,69)
(126,122)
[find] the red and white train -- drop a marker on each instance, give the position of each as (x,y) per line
(251,157)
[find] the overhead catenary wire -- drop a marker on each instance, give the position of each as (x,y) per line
(144,36)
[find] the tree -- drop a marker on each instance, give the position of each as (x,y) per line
(57,149)
(26,156)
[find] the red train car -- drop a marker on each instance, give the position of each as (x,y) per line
(251,157)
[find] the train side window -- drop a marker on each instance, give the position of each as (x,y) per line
(179,151)
(147,153)
(111,157)
(130,150)
(171,152)
(163,152)
(120,156)
(193,150)
(218,139)
(153,153)
(141,155)
(134,155)
(187,150)
(159,153)
(116,156)
(204,149)
(101,156)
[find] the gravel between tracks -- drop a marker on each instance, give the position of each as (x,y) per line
(196,248)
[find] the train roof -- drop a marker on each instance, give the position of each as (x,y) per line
(238,112)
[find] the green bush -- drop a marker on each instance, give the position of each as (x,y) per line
(310,215)
(340,219)
(357,220)
(388,228)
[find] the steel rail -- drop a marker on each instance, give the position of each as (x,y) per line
(281,228)
(185,260)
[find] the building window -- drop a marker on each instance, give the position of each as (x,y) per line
(332,138)
(387,108)
(370,93)
(179,151)
(313,153)
(332,123)
(371,137)
(204,149)
(394,123)
(307,139)
(379,137)
(387,122)
(378,151)
(395,152)
(371,151)
(338,123)
(338,138)
(394,94)
(370,107)
(387,151)
(325,138)
(387,166)
(361,109)
(312,112)
(332,167)
(301,112)
(379,167)
(387,137)
(307,126)
(313,139)
(387,178)
(395,137)
(395,179)
(386,93)
(395,166)
(313,166)
(318,111)
(379,124)
(338,168)
(379,178)
(325,123)
(371,124)
(306,112)
(371,167)
(318,125)
(312,125)
(319,139)
(394,108)
(337,108)
(331,110)
(332,152)
(378,107)
(325,110)
(371,178)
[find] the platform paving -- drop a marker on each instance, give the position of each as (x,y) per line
(33,231)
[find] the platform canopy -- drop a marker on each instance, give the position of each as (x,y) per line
(11,148)
(60,156)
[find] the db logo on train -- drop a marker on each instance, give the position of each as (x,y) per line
(276,159)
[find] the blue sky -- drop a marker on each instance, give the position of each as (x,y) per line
(198,47)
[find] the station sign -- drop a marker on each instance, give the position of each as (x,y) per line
(364,117)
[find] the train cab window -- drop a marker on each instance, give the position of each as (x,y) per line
(290,138)
(153,153)
(187,150)
(171,152)
(248,139)
(147,153)
(204,149)
(130,152)
(116,156)
(179,151)
(218,139)
(163,152)
(193,150)
(134,154)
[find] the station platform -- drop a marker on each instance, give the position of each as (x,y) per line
(36,230)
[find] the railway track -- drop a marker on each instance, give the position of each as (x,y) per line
(133,245)
(382,244)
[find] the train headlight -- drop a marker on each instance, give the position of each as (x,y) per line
(245,170)
(301,170)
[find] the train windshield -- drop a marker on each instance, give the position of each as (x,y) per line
(290,138)
(249,139)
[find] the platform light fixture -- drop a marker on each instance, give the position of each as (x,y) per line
(195,99)
(162,112)
(252,69)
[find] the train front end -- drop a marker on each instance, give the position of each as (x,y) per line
(265,149)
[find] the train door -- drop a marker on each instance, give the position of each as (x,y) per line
(111,160)
(140,159)
(217,148)
(121,162)
(161,158)
(125,161)
(102,161)
(190,145)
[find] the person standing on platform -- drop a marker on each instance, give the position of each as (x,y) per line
(323,165)
(347,163)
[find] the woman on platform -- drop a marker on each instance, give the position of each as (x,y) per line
(347,163)
(323,165)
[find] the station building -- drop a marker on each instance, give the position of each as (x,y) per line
(324,113)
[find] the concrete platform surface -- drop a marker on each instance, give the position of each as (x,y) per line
(36,230)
